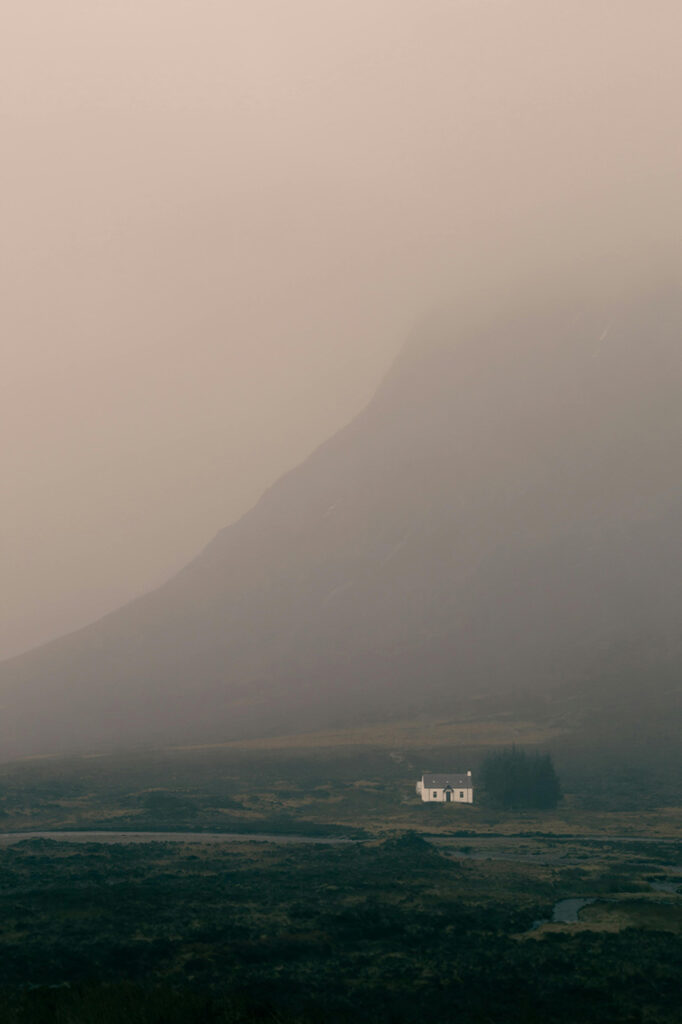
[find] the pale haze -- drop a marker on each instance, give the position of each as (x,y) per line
(221,220)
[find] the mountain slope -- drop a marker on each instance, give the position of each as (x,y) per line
(503,515)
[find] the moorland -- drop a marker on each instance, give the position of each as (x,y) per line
(411,910)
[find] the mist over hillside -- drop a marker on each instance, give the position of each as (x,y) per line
(502,518)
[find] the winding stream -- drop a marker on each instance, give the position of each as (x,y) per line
(10,838)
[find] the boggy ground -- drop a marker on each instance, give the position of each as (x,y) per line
(435,912)
(395,931)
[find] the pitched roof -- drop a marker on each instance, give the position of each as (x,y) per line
(457,780)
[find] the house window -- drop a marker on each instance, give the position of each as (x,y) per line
(435,795)
(461,795)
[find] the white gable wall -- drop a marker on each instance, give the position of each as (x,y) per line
(457,796)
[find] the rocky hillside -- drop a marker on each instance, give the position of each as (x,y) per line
(504,516)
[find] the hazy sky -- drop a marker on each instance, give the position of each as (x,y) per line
(220,219)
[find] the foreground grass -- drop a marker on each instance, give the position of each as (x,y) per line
(389,932)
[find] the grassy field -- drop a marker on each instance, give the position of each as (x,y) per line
(414,735)
(359,782)
(435,911)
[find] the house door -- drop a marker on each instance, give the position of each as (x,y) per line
(448,796)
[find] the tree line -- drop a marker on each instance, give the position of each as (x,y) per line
(514,779)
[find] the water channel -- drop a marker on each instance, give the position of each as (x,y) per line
(10,838)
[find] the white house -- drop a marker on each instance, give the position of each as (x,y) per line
(446,787)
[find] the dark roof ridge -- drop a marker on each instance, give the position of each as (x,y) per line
(439,780)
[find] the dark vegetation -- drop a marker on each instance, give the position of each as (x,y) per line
(346,790)
(515,779)
(394,931)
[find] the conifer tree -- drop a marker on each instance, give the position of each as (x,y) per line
(515,779)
